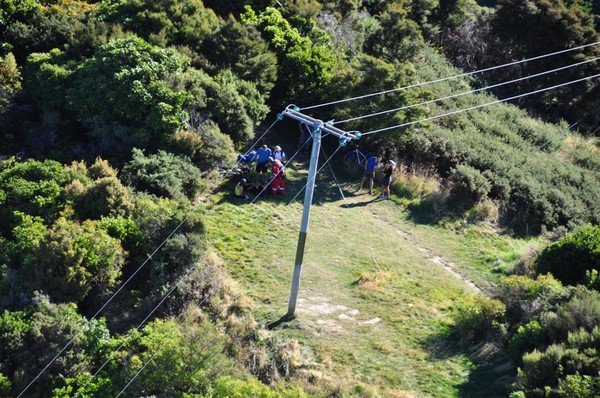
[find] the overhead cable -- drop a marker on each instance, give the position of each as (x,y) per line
(466,92)
(176,285)
(478,106)
(102,308)
(449,78)
(70,342)
(320,168)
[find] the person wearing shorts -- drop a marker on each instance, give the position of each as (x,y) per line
(369,172)
(387,179)
(262,159)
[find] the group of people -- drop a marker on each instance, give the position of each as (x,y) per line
(273,160)
(370,167)
(266,159)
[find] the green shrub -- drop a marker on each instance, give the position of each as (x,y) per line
(468,184)
(581,311)
(228,387)
(163,174)
(569,258)
(525,298)
(72,259)
(207,148)
(528,337)
(580,386)
(31,187)
(540,369)
(476,317)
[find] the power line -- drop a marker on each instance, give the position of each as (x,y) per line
(465,92)
(175,286)
(448,78)
(157,352)
(337,183)
(70,342)
(275,176)
(320,168)
(478,106)
(102,308)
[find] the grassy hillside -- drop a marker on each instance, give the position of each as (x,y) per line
(376,290)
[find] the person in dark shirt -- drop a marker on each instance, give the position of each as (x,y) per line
(387,179)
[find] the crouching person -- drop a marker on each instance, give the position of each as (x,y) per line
(240,190)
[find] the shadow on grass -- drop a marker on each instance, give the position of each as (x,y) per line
(422,213)
(281,321)
(492,371)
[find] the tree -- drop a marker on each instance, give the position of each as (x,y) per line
(31,338)
(398,38)
(103,196)
(31,187)
(305,64)
(234,104)
(120,94)
(10,82)
(163,174)
(73,259)
(164,23)
(533,27)
(569,258)
(205,145)
(241,48)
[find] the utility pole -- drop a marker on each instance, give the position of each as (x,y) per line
(317,127)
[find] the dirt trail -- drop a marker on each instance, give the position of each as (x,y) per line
(448,266)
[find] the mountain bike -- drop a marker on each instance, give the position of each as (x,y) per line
(355,159)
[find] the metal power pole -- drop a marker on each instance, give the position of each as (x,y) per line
(308,196)
(318,127)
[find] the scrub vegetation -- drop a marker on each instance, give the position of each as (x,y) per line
(127,265)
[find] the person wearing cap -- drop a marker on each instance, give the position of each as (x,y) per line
(278,154)
(278,184)
(240,190)
(369,172)
(387,179)
(262,158)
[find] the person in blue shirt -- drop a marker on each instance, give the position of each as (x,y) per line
(262,159)
(369,172)
(247,158)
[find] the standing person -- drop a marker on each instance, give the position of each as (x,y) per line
(387,179)
(262,159)
(302,136)
(369,172)
(278,184)
(278,154)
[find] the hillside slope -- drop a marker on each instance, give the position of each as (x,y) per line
(376,288)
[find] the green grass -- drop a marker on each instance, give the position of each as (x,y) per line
(376,289)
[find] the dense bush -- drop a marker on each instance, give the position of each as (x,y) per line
(163,174)
(469,185)
(476,317)
(207,147)
(569,258)
(72,259)
(31,187)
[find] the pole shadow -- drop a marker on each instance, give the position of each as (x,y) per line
(284,319)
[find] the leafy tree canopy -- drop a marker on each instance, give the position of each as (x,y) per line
(306,65)
(121,96)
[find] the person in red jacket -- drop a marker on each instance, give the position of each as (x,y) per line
(278,184)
